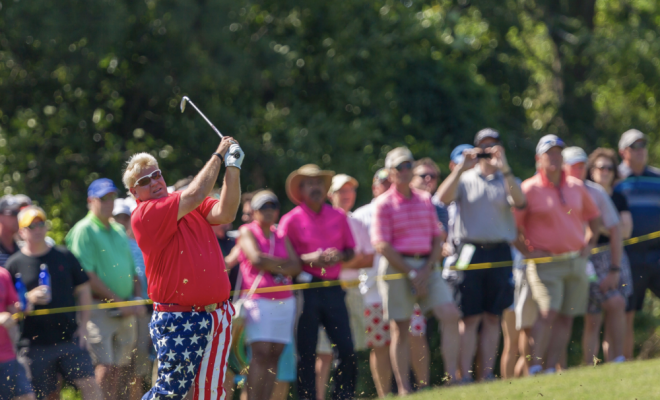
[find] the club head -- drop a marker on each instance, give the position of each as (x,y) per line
(184,100)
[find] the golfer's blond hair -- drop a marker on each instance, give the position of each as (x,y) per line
(134,167)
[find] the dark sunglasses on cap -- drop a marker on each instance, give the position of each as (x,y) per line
(35,225)
(640,144)
(270,206)
(10,213)
(406,165)
(145,180)
(430,176)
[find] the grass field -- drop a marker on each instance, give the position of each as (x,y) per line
(632,380)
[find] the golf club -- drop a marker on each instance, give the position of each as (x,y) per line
(186,99)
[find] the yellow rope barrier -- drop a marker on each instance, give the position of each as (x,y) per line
(316,285)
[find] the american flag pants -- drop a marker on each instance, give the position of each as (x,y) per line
(191,347)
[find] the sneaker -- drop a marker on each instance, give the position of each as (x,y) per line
(490,377)
(619,359)
(535,369)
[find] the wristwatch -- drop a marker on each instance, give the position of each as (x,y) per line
(222,160)
(614,268)
(412,274)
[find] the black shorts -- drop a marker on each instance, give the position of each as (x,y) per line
(45,362)
(486,290)
(645,270)
(13,380)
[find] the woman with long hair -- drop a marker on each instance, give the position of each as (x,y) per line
(610,289)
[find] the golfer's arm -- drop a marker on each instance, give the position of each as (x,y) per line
(200,187)
(225,210)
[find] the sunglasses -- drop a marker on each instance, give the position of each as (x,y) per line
(108,197)
(145,180)
(604,168)
(36,225)
(10,213)
(430,176)
(640,144)
(406,165)
(270,206)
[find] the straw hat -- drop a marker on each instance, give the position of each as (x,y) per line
(306,171)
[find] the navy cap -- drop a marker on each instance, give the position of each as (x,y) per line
(457,154)
(101,187)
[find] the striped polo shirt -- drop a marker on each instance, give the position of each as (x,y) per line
(407,224)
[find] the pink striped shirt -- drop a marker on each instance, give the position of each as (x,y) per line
(408,225)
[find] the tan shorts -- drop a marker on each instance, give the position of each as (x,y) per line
(355,307)
(525,308)
(143,363)
(561,286)
(398,299)
(111,339)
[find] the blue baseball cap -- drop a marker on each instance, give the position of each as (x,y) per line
(457,154)
(101,187)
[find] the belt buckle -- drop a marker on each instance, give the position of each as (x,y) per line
(211,307)
(417,256)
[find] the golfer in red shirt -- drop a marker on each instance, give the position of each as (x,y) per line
(191,323)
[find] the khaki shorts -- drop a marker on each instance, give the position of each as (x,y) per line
(355,307)
(143,363)
(111,339)
(525,308)
(561,286)
(398,299)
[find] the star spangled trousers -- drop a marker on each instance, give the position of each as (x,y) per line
(191,347)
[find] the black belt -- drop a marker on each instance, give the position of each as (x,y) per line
(415,256)
(488,246)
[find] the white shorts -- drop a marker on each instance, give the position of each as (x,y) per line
(270,320)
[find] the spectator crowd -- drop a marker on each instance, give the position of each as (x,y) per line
(489,256)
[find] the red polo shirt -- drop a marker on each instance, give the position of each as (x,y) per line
(554,218)
(183,258)
(309,231)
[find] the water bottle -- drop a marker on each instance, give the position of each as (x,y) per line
(44,276)
(21,290)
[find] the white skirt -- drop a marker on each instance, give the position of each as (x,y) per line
(270,320)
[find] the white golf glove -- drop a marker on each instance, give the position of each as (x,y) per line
(234,156)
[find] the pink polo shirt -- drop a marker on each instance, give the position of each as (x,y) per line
(554,218)
(408,225)
(309,231)
(274,246)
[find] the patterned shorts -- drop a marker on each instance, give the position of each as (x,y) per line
(378,330)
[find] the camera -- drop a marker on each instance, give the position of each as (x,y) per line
(484,155)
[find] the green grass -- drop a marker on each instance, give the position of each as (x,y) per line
(632,380)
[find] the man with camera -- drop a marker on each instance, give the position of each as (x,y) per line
(484,190)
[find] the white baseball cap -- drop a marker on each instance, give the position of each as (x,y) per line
(547,142)
(629,137)
(398,156)
(573,155)
(340,180)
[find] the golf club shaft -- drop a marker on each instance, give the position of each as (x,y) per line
(205,119)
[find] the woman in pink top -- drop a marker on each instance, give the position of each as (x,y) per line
(267,260)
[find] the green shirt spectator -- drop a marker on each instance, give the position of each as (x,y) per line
(105,252)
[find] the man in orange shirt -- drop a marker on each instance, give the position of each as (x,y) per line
(552,225)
